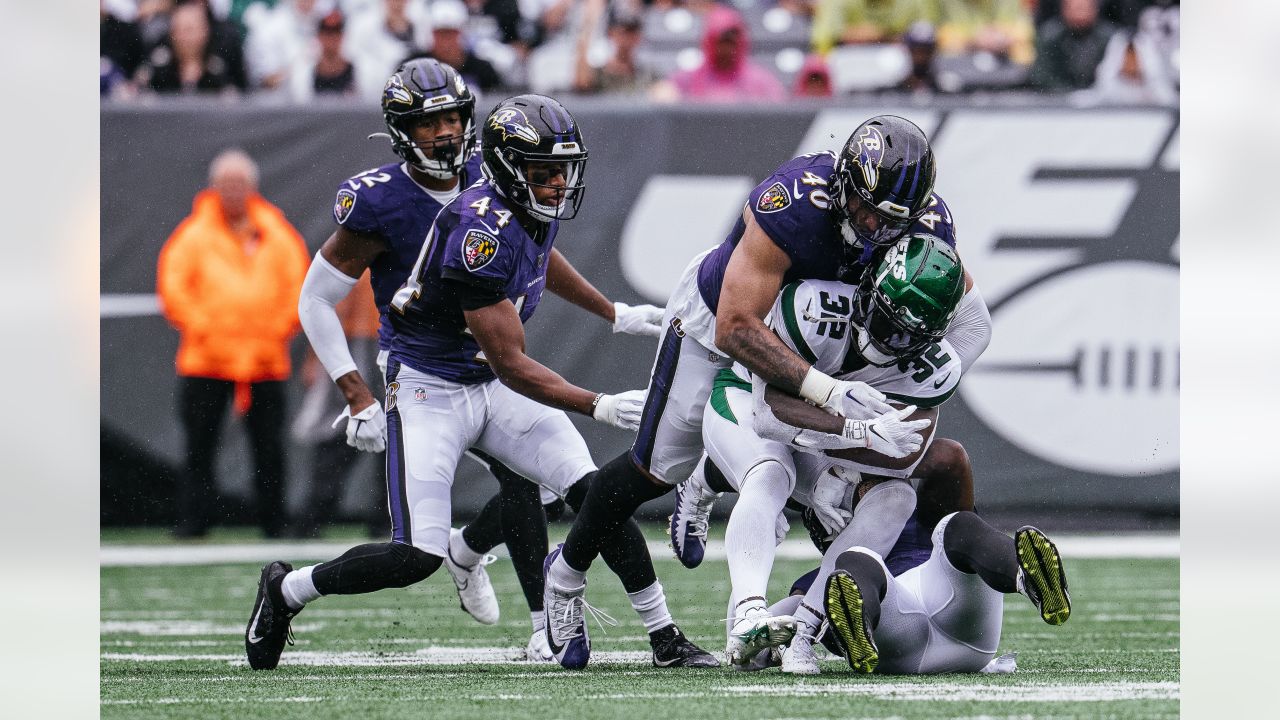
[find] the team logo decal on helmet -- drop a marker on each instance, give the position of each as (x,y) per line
(396,92)
(774,199)
(870,153)
(478,249)
(513,123)
(342,206)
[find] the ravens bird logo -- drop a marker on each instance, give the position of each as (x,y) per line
(513,123)
(870,153)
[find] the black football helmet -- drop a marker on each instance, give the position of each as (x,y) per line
(887,164)
(419,88)
(534,128)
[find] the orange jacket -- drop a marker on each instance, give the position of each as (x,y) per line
(236,310)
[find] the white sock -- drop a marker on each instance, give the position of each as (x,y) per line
(461,553)
(651,604)
(786,606)
(749,538)
(298,589)
(877,522)
(812,616)
(539,620)
(564,576)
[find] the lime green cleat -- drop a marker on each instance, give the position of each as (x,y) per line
(844,611)
(1040,575)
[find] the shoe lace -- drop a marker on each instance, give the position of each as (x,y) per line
(700,516)
(570,611)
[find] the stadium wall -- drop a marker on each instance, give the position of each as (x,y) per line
(1067,218)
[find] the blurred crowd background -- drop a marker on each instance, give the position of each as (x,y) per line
(747,51)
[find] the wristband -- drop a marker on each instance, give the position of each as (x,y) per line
(596,402)
(817,387)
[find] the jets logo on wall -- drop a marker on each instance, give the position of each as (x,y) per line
(478,249)
(773,199)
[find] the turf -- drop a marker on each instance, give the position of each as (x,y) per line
(172,647)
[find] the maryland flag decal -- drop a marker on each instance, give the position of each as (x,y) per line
(478,249)
(773,199)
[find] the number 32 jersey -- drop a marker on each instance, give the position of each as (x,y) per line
(477,248)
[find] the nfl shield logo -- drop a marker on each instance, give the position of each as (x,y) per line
(419,394)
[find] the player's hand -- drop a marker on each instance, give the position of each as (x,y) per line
(622,410)
(367,429)
(780,529)
(857,401)
(637,319)
(826,501)
(890,434)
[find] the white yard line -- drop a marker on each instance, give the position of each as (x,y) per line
(1071,546)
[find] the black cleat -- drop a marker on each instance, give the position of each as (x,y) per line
(1040,575)
(843,602)
(672,649)
(268,628)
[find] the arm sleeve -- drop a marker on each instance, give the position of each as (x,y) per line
(324,287)
(970,331)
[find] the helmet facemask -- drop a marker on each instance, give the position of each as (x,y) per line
(442,158)
(887,334)
(893,220)
(521,187)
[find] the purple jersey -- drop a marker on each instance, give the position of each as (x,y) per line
(793,208)
(476,241)
(388,204)
(914,546)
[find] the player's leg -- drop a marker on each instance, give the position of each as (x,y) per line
(1028,563)
(944,481)
(202,404)
(265,422)
(542,444)
(425,439)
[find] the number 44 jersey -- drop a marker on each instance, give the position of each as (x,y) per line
(812,318)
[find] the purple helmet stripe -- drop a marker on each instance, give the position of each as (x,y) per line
(906,154)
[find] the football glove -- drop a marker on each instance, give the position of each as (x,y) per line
(890,434)
(622,410)
(637,319)
(856,401)
(826,500)
(367,429)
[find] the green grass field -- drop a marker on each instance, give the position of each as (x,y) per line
(172,647)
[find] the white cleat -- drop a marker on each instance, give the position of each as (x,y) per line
(538,650)
(755,632)
(798,657)
(474,589)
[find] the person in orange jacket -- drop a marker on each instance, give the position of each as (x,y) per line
(228,280)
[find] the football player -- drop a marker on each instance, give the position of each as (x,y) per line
(458,376)
(820,216)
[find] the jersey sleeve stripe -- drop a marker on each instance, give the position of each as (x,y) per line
(923,403)
(793,327)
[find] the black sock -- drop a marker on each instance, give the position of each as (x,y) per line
(524,530)
(374,566)
(716,479)
(484,533)
(973,546)
(605,502)
(871,580)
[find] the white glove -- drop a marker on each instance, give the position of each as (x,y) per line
(890,434)
(826,500)
(638,319)
(780,529)
(367,429)
(622,410)
(856,401)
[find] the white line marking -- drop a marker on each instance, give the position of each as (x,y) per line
(117,305)
(1071,546)
(425,656)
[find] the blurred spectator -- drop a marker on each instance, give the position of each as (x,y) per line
(227,40)
(1123,13)
(1070,47)
(814,79)
(621,71)
(851,22)
(153,21)
(333,73)
(119,43)
(510,25)
(448,20)
(1132,71)
(727,73)
(280,47)
(228,279)
(380,37)
(332,459)
(922,48)
(186,62)
(1000,27)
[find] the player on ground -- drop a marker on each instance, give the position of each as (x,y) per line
(820,216)
(458,377)
(889,333)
